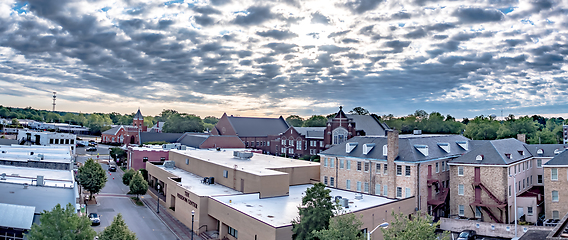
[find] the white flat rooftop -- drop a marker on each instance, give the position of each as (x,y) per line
(52,177)
(42,198)
(61,154)
(280,211)
(192,183)
(259,164)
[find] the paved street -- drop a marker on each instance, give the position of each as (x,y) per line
(140,219)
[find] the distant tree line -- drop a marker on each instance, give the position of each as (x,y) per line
(175,122)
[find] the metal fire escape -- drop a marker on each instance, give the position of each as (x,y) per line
(478,186)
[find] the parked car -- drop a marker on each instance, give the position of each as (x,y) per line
(80,144)
(91,149)
(112,168)
(92,143)
(467,235)
(95,220)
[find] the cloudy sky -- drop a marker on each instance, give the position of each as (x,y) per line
(271,58)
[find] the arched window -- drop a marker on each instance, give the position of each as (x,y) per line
(339,135)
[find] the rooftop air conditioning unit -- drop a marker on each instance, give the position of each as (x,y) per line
(345,203)
(169,164)
(242,154)
(40,180)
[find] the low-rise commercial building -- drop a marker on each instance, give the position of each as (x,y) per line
(28,137)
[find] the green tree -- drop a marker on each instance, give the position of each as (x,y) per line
(315,212)
(482,128)
(315,121)
(419,227)
(127,176)
(69,118)
(343,227)
(118,230)
(117,154)
(92,177)
(138,185)
(60,223)
(53,117)
(179,123)
(15,122)
(211,120)
(359,111)
(295,120)
(543,137)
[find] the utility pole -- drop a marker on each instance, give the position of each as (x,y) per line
(54,101)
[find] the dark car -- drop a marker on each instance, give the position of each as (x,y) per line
(95,220)
(80,144)
(467,235)
(91,149)
(112,168)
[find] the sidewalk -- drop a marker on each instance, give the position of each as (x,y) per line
(179,229)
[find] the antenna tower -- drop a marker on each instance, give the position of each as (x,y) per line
(54,101)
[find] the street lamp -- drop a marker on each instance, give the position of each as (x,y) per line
(158,207)
(192,218)
(382,225)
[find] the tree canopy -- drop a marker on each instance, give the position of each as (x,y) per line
(343,227)
(118,230)
(92,177)
(127,176)
(315,213)
(138,185)
(295,120)
(418,227)
(62,223)
(359,111)
(315,121)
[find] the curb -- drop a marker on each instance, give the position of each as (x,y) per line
(177,237)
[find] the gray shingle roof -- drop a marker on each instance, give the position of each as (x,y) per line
(258,127)
(112,131)
(495,152)
(408,147)
(368,124)
(138,115)
(159,137)
(547,149)
(311,132)
(192,140)
(560,159)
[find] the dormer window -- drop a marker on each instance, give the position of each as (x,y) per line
(445,147)
(522,153)
(367,147)
(462,144)
(479,158)
(385,150)
(540,151)
(350,146)
(508,155)
(557,151)
(422,149)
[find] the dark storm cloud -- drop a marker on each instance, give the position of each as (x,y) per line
(206,10)
(440,27)
(337,34)
(204,20)
(478,15)
(418,33)
(361,6)
(317,17)
(397,45)
(220,2)
(278,34)
(256,15)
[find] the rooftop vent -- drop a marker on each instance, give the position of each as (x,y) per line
(479,158)
(359,196)
(40,180)
(169,164)
(242,154)
(367,147)
(350,146)
(445,147)
(422,149)
(417,132)
(521,152)
(462,144)
(508,155)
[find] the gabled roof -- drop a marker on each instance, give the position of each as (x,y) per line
(311,132)
(258,127)
(192,140)
(495,152)
(369,124)
(560,159)
(159,137)
(411,147)
(138,115)
(16,216)
(548,150)
(113,131)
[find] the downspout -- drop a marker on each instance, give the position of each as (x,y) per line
(371,182)
(418,185)
(336,172)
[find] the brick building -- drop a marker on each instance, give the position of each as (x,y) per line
(256,133)
(298,141)
(556,186)
(395,167)
(486,180)
(343,126)
(124,134)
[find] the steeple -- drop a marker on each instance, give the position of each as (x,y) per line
(138,120)
(138,115)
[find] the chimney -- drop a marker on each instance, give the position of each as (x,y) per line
(522,137)
(392,154)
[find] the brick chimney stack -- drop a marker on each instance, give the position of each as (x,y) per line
(392,154)
(522,137)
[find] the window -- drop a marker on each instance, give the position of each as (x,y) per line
(358,166)
(348,184)
(268,143)
(523,183)
(385,168)
(66,141)
(339,135)
(358,186)
(555,215)
(377,168)
(407,192)
(367,166)
(437,168)
(398,170)
(51,141)
(554,174)
(283,142)
(530,165)
(529,211)
(331,181)
(555,196)
(398,192)
(144,159)
(348,165)
(290,151)
(225,173)
(72,141)
(325,162)
(56,141)
(516,167)
(312,143)
(539,163)
(332,162)
(385,190)
(283,150)
(519,186)
(321,143)
(366,187)
(461,210)
(531,179)
(233,232)
(162,159)
(298,145)
(509,190)
(443,166)
(377,189)
(539,179)
(460,170)
(477,212)
(291,142)
(460,189)
(341,163)
(510,171)
(407,172)
(325,180)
